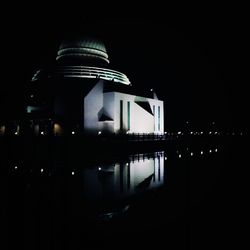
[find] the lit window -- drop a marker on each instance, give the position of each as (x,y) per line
(128,115)
(159,118)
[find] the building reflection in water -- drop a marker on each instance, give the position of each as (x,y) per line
(122,179)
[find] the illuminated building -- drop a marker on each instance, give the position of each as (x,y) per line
(81,94)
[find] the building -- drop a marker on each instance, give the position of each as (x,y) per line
(81,94)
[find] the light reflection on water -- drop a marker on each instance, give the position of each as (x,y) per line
(117,182)
(141,172)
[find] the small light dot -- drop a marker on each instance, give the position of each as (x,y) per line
(191,153)
(99,168)
(216,150)
(73,132)
(187,149)
(41,170)
(179,155)
(15,167)
(99,132)
(201,152)
(166,158)
(210,151)
(151,89)
(42,133)
(72,172)
(32,96)
(16,133)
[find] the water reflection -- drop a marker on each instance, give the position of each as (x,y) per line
(112,181)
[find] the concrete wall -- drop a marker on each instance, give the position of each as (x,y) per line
(141,121)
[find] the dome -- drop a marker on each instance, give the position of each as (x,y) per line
(85,50)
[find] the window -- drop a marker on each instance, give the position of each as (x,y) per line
(159,118)
(154,115)
(128,115)
(121,115)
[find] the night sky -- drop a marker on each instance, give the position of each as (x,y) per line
(195,61)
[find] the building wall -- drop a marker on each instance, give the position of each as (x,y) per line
(97,103)
(140,120)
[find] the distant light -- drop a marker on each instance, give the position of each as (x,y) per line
(187,149)
(215,133)
(201,132)
(165,133)
(179,132)
(15,167)
(216,150)
(16,133)
(187,122)
(41,170)
(241,133)
(99,132)
(166,158)
(42,133)
(191,133)
(32,96)
(99,168)
(210,132)
(201,152)
(73,132)
(210,151)
(73,173)
(213,123)
(179,155)
(191,153)
(127,164)
(151,90)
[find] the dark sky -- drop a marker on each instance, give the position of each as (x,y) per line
(195,61)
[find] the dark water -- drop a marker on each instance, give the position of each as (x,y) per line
(185,195)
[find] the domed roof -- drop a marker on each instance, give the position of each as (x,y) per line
(85,49)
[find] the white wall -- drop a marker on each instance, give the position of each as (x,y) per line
(140,120)
(109,103)
(108,109)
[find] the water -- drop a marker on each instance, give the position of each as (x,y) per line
(186,195)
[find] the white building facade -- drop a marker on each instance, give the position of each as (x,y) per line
(116,112)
